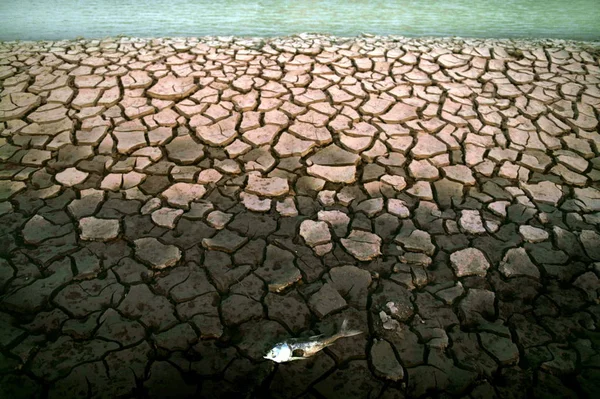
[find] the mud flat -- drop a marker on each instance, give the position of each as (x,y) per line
(171,208)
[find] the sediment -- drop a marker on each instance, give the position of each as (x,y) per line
(171,208)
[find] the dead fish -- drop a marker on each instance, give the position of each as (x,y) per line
(298,348)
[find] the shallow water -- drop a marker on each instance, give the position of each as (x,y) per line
(67,19)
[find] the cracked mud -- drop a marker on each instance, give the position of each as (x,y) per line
(171,208)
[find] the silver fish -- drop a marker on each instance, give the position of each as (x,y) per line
(298,348)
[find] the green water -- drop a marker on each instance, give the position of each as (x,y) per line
(67,19)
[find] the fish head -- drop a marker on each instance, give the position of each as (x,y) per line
(280,353)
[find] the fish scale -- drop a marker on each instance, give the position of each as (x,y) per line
(298,348)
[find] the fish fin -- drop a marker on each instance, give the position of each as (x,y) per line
(298,353)
(346,332)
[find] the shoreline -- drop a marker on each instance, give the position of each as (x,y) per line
(326,39)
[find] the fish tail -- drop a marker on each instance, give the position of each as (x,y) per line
(346,332)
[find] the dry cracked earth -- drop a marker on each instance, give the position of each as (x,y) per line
(170,209)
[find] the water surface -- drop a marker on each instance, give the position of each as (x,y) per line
(68,19)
